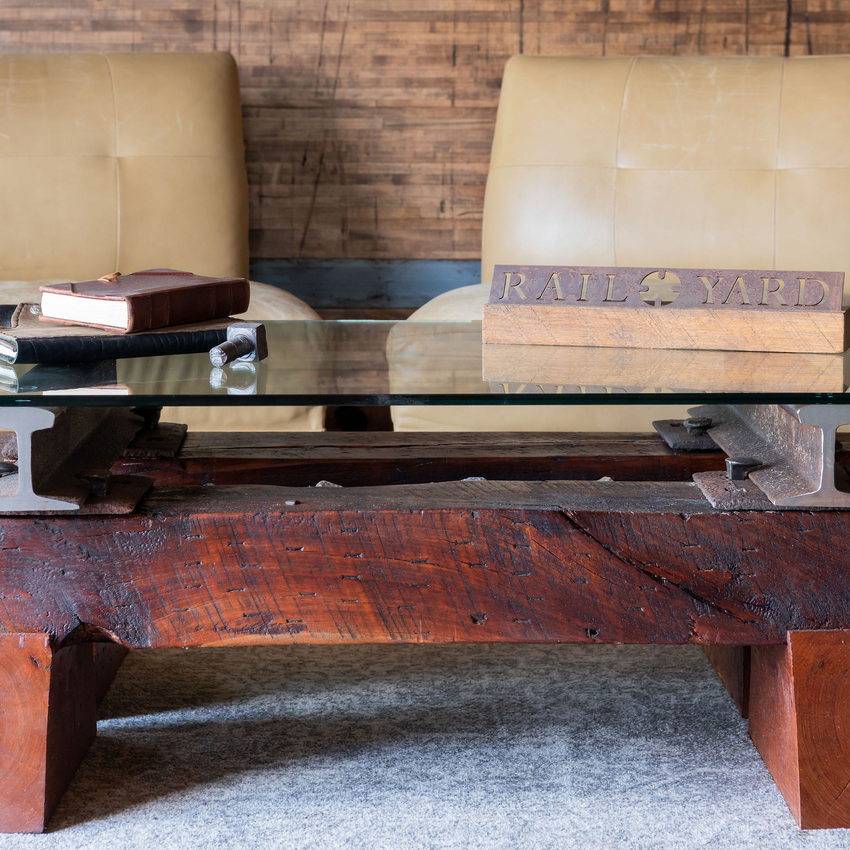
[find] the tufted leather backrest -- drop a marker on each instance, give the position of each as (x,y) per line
(121,161)
(735,162)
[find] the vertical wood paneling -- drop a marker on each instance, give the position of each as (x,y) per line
(368,122)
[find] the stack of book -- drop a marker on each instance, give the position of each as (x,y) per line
(152,312)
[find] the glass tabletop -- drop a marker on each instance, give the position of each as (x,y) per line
(422,363)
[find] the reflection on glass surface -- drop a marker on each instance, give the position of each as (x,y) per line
(373,362)
(563,369)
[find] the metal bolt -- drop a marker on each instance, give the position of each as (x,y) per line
(245,341)
(236,347)
(739,468)
(697,426)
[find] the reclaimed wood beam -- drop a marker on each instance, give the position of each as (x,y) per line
(478,561)
(378,458)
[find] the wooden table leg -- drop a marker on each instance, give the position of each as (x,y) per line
(732,665)
(108,657)
(800,721)
(47,723)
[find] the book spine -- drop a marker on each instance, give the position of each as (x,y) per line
(86,349)
(183,307)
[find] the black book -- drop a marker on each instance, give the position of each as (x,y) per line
(27,340)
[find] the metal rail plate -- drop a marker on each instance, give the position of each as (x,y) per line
(795,444)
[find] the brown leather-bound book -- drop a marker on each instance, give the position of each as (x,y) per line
(155,298)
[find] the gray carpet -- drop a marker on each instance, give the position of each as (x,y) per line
(422,747)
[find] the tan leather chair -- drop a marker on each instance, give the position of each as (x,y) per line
(711,162)
(126,161)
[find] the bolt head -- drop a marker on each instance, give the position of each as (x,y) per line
(697,426)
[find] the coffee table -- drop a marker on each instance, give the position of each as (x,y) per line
(122,532)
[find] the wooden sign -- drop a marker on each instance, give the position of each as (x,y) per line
(708,309)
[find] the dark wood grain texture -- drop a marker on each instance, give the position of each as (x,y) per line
(368,124)
(732,664)
(800,722)
(108,657)
(468,561)
(47,722)
(406,444)
(373,459)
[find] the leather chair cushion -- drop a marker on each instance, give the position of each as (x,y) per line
(707,162)
(737,162)
(121,161)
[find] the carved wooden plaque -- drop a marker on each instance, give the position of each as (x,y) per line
(711,309)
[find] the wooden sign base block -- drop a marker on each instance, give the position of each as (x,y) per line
(816,333)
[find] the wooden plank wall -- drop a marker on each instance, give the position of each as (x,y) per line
(368,122)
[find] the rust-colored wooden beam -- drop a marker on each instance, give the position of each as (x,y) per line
(470,561)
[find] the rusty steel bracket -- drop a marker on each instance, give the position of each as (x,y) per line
(155,438)
(60,458)
(728,495)
(794,445)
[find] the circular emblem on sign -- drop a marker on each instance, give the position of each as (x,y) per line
(660,288)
